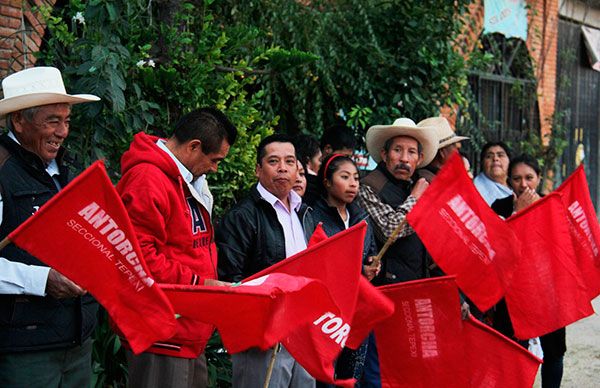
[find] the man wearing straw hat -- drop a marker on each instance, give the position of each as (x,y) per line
(448,143)
(45,319)
(388,193)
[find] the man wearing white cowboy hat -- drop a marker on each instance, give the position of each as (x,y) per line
(45,319)
(388,194)
(448,143)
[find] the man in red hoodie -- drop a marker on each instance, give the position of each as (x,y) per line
(166,195)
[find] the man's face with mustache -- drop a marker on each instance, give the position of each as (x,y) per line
(402,158)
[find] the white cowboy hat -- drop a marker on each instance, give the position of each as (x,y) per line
(444,132)
(37,86)
(377,135)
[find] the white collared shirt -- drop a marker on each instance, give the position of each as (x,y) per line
(18,278)
(288,219)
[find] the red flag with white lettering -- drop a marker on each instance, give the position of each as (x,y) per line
(336,262)
(585,228)
(85,233)
(257,313)
(547,291)
(421,344)
(369,304)
(494,360)
(464,235)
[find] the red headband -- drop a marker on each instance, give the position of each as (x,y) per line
(334,156)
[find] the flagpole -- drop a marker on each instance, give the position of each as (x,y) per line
(276,350)
(4,243)
(389,242)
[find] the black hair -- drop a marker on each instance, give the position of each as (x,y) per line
(338,137)
(274,138)
(329,166)
(526,160)
(306,147)
(491,144)
(209,125)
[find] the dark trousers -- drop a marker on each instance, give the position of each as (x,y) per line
(62,368)
(371,377)
(250,370)
(552,372)
(149,370)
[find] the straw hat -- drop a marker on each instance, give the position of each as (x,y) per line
(377,135)
(37,86)
(444,132)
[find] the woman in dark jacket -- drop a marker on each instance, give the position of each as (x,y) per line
(524,178)
(336,208)
(337,211)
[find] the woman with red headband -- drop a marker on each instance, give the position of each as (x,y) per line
(336,209)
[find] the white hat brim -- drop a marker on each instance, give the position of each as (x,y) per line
(454,139)
(24,101)
(377,135)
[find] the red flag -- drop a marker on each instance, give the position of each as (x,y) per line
(258,313)
(464,236)
(494,360)
(547,290)
(318,235)
(84,233)
(370,306)
(421,344)
(585,228)
(337,263)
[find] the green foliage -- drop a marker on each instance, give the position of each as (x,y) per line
(547,149)
(151,66)
(359,117)
(394,57)
(108,357)
(219,363)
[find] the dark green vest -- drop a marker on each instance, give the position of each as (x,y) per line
(406,259)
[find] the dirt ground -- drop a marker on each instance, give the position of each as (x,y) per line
(582,360)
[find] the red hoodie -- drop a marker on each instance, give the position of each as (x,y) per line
(174,231)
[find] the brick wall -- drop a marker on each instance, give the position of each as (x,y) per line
(542,40)
(21,33)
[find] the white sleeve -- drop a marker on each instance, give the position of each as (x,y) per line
(19,278)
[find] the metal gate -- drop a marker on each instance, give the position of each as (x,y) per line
(499,114)
(577,103)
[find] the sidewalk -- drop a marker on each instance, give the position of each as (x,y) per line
(582,360)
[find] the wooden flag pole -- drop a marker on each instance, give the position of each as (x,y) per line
(389,242)
(276,350)
(4,243)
